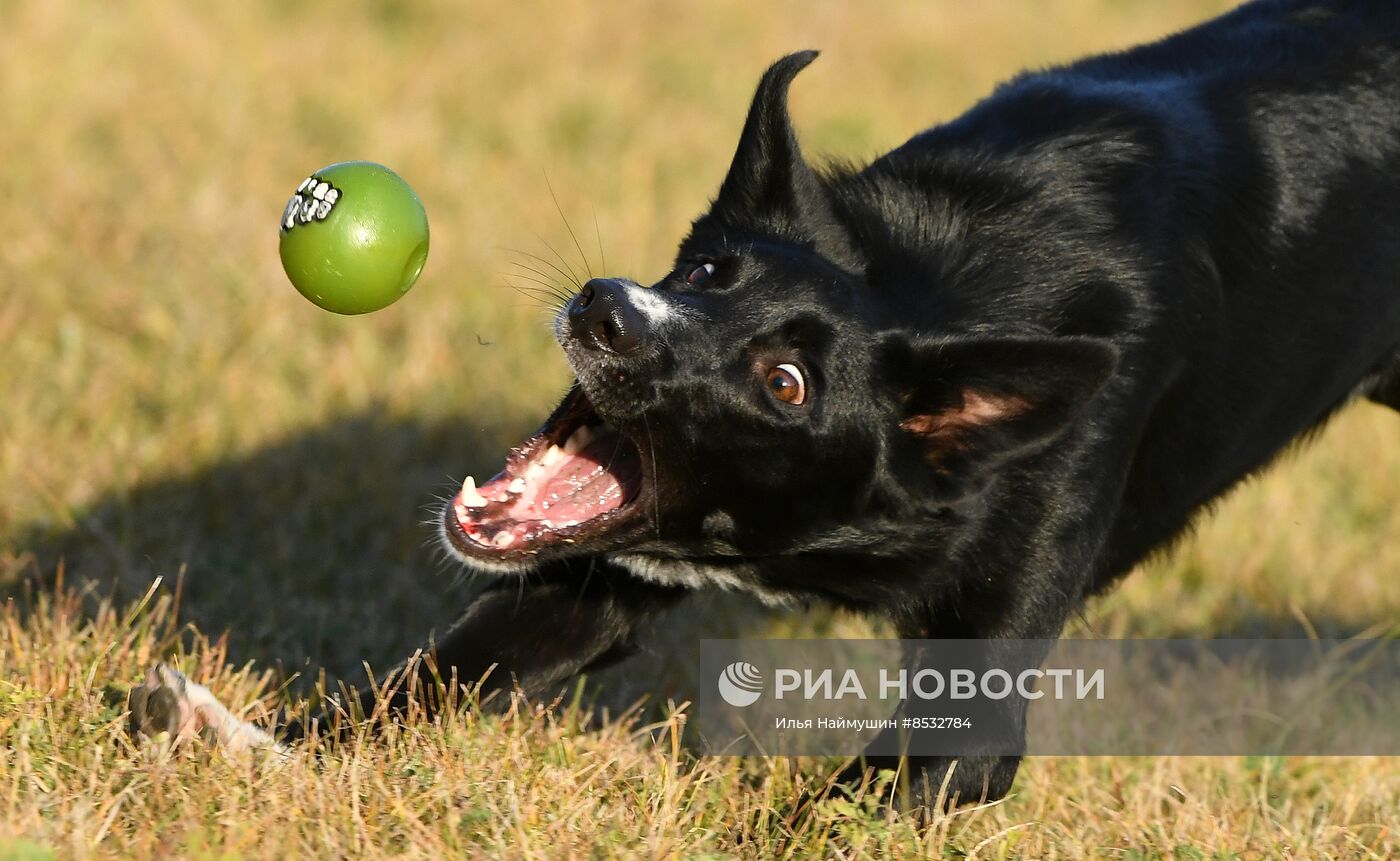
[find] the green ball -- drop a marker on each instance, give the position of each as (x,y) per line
(354,237)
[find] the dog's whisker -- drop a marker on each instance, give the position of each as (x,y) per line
(572,275)
(543,285)
(569,278)
(544,290)
(587,267)
(545,278)
(539,298)
(531,265)
(598,235)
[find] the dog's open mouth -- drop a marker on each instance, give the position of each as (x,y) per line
(570,481)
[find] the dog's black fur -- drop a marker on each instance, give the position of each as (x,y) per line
(1036,340)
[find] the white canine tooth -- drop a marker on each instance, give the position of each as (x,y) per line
(578,440)
(503,539)
(460,510)
(470,496)
(552,455)
(516,486)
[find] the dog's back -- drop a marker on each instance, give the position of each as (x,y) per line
(1261,164)
(1297,283)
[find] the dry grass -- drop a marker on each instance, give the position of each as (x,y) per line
(171,405)
(535,785)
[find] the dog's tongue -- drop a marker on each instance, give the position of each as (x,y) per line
(581,487)
(547,487)
(578,487)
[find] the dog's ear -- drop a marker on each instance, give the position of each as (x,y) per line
(972,404)
(770,187)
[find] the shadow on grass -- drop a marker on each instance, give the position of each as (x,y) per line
(311,552)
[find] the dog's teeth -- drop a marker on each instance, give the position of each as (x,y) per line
(461,511)
(470,496)
(503,539)
(552,455)
(516,486)
(578,440)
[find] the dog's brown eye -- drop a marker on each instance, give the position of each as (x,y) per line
(787,385)
(700,274)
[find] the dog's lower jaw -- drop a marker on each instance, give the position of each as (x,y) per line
(483,566)
(661,570)
(670,571)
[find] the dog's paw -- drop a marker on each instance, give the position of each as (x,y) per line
(167,703)
(162,703)
(933,784)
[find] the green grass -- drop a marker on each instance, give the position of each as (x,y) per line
(173,408)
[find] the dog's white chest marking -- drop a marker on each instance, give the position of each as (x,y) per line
(692,575)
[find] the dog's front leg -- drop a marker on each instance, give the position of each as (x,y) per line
(941,764)
(531,636)
(982,768)
(528,634)
(167,702)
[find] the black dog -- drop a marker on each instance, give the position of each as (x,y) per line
(969,385)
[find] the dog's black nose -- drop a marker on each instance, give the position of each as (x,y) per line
(602,319)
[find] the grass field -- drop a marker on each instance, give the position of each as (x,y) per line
(173,409)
